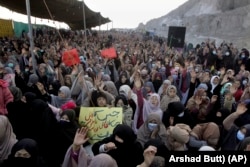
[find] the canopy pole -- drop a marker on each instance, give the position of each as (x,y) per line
(84,23)
(31,36)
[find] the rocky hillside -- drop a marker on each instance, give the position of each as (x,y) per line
(227,20)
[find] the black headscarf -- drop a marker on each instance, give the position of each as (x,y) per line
(95,95)
(224,113)
(123,98)
(162,150)
(125,133)
(128,153)
(66,133)
(31,147)
(119,83)
(30,96)
(45,131)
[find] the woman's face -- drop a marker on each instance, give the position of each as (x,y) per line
(67,80)
(65,117)
(123,79)
(120,103)
(228,87)
(42,69)
(172,92)
(101,102)
(22,154)
(165,85)
(216,81)
(204,96)
(154,100)
(61,94)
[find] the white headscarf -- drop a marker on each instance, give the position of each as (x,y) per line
(211,82)
(124,89)
(168,82)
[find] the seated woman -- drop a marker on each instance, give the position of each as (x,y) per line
(67,129)
(119,144)
(101,97)
(170,96)
(121,101)
(198,105)
(152,128)
(176,114)
(24,153)
(204,134)
(152,105)
(64,96)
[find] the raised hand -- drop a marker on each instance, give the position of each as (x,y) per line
(97,80)
(225,79)
(149,155)
(80,138)
(241,109)
(101,86)
(198,100)
(75,70)
(222,71)
(214,98)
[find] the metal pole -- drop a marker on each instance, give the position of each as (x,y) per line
(84,22)
(99,22)
(31,35)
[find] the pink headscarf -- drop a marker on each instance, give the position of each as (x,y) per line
(148,107)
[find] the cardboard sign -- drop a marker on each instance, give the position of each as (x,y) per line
(100,121)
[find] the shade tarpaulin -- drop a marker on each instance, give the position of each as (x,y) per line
(68,11)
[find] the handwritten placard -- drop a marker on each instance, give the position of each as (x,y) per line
(100,121)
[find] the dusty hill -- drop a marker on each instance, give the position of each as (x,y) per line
(227,20)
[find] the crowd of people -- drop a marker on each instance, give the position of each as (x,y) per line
(195,98)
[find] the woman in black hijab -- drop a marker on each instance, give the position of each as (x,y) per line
(67,129)
(122,146)
(24,153)
(18,114)
(45,131)
(123,80)
(176,113)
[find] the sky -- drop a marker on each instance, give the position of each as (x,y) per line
(122,13)
(129,13)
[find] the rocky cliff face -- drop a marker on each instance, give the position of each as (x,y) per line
(221,20)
